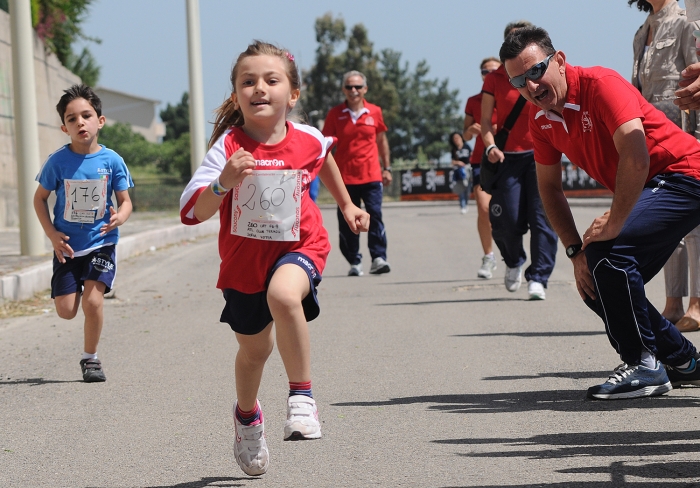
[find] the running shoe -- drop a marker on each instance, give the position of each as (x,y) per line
(535,290)
(379,266)
(513,278)
(686,376)
(488,265)
(355,270)
(250,447)
(632,382)
(92,370)
(302,419)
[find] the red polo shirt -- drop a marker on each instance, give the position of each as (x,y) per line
(473,109)
(598,101)
(357,154)
(498,85)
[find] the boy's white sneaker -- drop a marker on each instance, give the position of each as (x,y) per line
(250,447)
(302,419)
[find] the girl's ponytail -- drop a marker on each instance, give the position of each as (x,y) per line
(227,115)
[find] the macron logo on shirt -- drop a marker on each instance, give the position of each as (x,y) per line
(269,162)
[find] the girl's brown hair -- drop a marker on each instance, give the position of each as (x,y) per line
(227,115)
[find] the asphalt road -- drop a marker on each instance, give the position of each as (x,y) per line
(424,377)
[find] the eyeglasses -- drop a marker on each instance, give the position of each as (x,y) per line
(534,73)
(356,87)
(484,72)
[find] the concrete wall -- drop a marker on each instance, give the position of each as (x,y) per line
(51,79)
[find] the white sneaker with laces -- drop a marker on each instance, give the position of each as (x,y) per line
(488,265)
(379,266)
(250,447)
(513,278)
(302,419)
(535,290)
(355,270)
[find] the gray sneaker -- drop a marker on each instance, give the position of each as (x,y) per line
(488,265)
(355,270)
(513,278)
(379,266)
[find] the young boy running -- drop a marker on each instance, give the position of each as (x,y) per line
(84,233)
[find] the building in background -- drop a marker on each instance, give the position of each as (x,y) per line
(137,111)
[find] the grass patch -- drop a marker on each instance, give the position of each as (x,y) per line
(37,305)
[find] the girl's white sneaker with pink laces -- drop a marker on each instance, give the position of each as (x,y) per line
(250,447)
(302,419)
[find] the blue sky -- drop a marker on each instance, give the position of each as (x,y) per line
(144,42)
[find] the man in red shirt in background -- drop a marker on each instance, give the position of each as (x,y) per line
(605,126)
(472,128)
(363,158)
(515,200)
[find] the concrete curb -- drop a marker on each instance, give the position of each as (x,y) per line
(24,283)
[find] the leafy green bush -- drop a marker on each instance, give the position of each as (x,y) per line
(171,158)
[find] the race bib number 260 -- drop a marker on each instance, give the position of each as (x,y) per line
(267,206)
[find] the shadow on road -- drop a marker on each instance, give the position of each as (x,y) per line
(203,483)
(36,382)
(572,333)
(529,401)
(572,375)
(440,302)
(603,444)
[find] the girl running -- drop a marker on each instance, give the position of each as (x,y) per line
(272,243)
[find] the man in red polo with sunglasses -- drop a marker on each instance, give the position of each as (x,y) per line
(363,158)
(605,126)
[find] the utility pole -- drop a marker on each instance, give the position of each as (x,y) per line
(31,235)
(194,48)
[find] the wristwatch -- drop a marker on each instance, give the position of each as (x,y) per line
(573,250)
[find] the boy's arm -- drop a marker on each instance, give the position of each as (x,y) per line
(357,219)
(118,217)
(59,240)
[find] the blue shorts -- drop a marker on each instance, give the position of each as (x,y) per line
(476,174)
(70,277)
(249,313)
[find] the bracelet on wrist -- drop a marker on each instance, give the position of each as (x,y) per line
(488,149)
(387,169)
(218,189)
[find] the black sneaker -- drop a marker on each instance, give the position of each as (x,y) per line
(686,376)
(92,370)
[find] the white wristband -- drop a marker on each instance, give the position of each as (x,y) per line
(488,149)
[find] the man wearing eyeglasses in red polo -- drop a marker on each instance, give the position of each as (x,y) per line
(363,158)
(605,126)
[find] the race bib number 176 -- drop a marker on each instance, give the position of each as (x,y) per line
(85,200)
(267,206)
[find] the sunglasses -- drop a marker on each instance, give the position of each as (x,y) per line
(484,72)
(534,73)
(356,87)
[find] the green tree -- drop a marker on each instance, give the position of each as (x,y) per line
(131,146)
(175,152)
(170,158)
(57,23)
(176,118)
(420,112)
(175,157)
